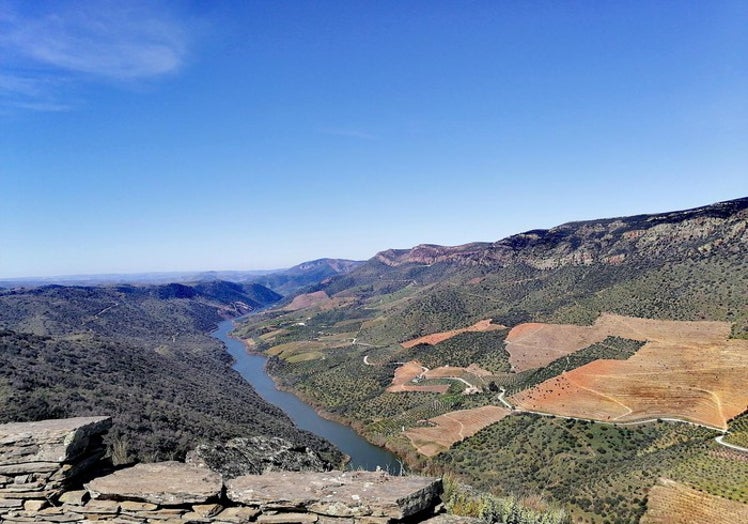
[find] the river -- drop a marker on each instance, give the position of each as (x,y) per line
(251,367)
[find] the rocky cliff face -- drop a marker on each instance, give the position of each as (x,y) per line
(678,234)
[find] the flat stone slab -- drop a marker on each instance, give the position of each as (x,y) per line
(349,494)
(56,440)
(163,483)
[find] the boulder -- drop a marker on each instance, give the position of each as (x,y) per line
(163,483)
(350,494)
(49,441)
(256,455)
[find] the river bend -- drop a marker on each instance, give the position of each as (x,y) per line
(251,367)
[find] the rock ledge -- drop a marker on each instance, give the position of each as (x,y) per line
(165,483)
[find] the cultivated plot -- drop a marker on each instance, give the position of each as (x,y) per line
(435,338)
(686,370)
(671,502)
(453,427)
(535,345)
(410,375)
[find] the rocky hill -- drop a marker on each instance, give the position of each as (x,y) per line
(675,235)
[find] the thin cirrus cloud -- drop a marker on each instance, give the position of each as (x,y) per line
(47,51)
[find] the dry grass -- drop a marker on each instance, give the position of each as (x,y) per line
(453,427)
(291,349)
(318,298)
(687,370)
(435,338)
(270,335)
(671,502)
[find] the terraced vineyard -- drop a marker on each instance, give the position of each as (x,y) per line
(688,370)
(455,426)
(598,470)
(671,502)
(717,470)
(612,348)
(738,431)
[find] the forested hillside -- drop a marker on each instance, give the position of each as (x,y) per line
(140,354)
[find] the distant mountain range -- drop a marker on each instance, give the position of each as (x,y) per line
(283,281)
(683,264)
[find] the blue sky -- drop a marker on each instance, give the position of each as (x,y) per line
(147,136)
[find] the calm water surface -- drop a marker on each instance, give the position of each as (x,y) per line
(252,367)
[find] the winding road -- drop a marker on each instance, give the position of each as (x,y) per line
(503,400)
(731,446)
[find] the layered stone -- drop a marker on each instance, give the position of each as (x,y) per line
(54,441)
(165,483)
(39,490)
(39,460)
(350,494)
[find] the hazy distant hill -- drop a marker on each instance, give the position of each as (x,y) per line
(139,353)
(302,276)
(654,305)
(283,281)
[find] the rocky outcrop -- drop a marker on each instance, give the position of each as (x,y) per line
(42,463)
(256,455)
(351,494)
(690,233)
(165,483)
(38,460)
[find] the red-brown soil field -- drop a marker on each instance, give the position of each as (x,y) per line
(453,371)
(671,502)
(687,370)
(453,427)
(435,338)
(535,345)
(404,375)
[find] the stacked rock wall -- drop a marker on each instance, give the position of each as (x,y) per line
(43,462)
(39,460)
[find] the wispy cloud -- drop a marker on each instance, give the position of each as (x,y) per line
(46,46)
